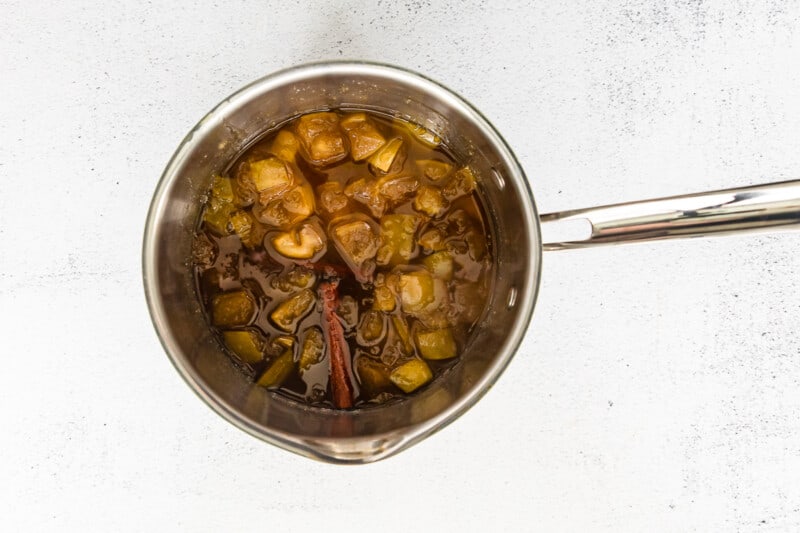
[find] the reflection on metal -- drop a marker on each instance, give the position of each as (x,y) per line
(747,209)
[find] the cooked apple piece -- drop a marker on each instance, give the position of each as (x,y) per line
(321,138)
(249,230)
(303,242)
(365,191)
(221,191)
(416,291)
(461,184)
(397,239)
(327,148)
(440,264)
(313,348)
(433,239)
(434,169)
(295,205)
(436,344)
(373,376)
(331,198)
(278,370)
(348,312)
(232,309)
(273,214)
(390,157)
(356,239)
(372,328)
(412,375)
(220,205)
(283,341)
(365,139)
(312,124)
(217,220)
(298,277)
(460,222)
(204,252)
(285,146)
(436,313)
(299,201)
(290,311)
(401,329)
(397,188)
(430,201)
(425,298)
(383,297)
(245,344)
(270,177)
(424,135)
(244,194)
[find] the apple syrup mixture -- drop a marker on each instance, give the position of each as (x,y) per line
(344,259)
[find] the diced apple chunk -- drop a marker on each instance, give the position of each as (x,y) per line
(221,191)
(285,146)
(429,200)
(424,135)
(416,291)
(373,376)
(390,157)
(220,205)
(380,194)
(301,243)
(356,240)
(434,169)
(372,328)
(365,139)
(440,264)
(327,148)
(433,240)
(293,206)
(277,372)
(383,299)
(365,191)
(321,138)
(249,230)
(217,219)
(397,188)
(270,177)
(232,309)
(273,214)
(412,375)
(290,311)
(297,277)
(299,201)
(313,348)
(245,344)
(348,312)
(436,344)
(397,239)
(461,184)
(283,341)
(331,197)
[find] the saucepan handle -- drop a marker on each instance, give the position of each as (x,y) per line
(758,208)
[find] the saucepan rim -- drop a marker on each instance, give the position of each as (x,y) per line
(526,299)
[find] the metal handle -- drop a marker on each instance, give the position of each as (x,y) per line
(746,209)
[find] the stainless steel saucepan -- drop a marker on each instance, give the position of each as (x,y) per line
(367,435)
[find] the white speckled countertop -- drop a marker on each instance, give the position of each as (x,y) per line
(658,388)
